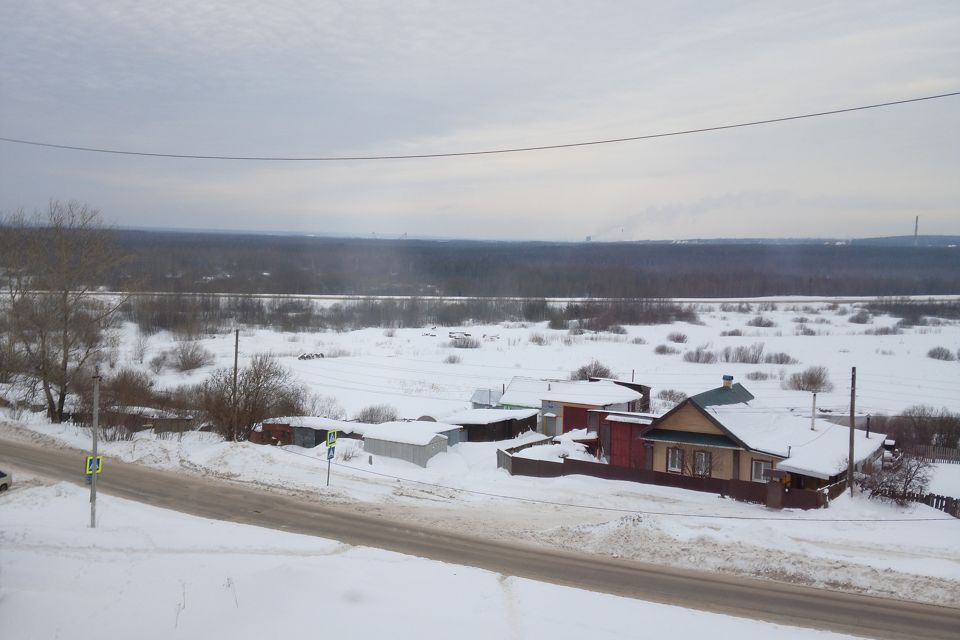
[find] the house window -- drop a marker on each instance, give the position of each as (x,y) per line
(759,466)
(675,460)
(702,463)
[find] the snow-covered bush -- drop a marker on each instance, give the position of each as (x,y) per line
(665,350)
(750,355)
(700,355)
(860,317)
(677,337)
(941,353)
(452,359)
(779,358)
(593,369)
(760,321)
(188,356)
(909,475)
(815,379)
(376,413)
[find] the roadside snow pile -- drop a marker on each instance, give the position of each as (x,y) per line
(151,573)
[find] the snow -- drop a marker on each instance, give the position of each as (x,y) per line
(945,480)
(488,416)
(530,392)
(913,558)
(821,452)
(321,424)
(415,432)
(150,573)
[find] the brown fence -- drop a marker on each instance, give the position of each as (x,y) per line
(737,489)
(505,459)
(946,504)
(943,455)
(835,489)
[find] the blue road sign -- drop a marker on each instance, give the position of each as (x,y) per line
(94,465)
(330,451)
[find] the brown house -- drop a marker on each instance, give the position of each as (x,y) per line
(723,433)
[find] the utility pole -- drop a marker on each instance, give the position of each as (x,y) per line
(236,355)
(916,230)
(813,412)
(96,468)
(853,401)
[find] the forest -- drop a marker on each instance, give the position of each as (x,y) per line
(274,264)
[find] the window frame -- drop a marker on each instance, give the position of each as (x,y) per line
(679,453)
(708,458)
(753,475)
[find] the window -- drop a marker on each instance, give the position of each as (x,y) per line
(675,460)
(759,466)
(702,463)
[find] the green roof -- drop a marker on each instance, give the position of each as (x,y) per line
(735,394)
(686,437)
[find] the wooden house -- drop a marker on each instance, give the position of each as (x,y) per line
(724,433)
(490,425)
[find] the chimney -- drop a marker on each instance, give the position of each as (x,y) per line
(727,381)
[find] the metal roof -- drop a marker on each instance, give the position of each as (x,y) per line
(735,394)
(686,437)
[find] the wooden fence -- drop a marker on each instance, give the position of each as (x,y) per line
(737,489)
(946,504)
(942,455)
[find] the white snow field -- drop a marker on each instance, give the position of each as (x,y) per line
(150,573)
(858,544)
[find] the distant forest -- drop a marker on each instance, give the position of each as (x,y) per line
(269,264)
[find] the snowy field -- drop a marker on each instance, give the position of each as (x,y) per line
(407,368)
(856,544)
(151,573)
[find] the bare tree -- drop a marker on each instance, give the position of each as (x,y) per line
(910,476)
(265,389)
(52,262)
(376,414)
(815,379)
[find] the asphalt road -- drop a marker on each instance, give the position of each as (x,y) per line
(748,598)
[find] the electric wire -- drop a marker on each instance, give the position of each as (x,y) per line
(678,514)
(484,152)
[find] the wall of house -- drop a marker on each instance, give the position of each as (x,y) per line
(689,419)
(417,454)
(722,459)
(746,462)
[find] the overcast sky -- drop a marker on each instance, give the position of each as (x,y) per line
(359,78)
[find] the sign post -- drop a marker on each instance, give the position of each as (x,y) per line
(331,450)
(94,457)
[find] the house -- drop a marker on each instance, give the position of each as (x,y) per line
(304,431)
(564,404)
(415,441)
(135,418)
(620,434)
(724,433)
(489,425)
(644,390)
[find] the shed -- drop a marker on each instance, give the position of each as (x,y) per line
(415,442)
(490,425)
(304,431)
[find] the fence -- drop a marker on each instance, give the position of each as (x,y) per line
(737,489)
(943,455)
(948,505)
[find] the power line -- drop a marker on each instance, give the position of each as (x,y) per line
(414,156)
(614,509)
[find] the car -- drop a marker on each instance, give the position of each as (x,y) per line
(5,480)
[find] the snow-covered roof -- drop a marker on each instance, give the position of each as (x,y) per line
(630,419)
(486,396)
(488,416)
(820,453)
(416,432)
(321,424)
(530,392)
(145,412)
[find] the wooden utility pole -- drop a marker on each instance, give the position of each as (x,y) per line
(96,462)
(853,402)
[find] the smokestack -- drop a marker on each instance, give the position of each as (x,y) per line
(727,382)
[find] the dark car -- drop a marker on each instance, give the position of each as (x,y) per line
(5,480)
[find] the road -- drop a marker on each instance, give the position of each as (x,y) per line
(748,598)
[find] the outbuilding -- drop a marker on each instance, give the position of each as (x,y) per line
(415,442)
(490,425)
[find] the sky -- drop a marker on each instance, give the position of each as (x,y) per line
(324,78)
